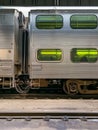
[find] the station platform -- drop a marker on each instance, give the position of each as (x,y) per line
(48,105)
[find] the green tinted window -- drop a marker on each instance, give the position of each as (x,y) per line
(49,54)
(49,22)
(83,21)
(84,55)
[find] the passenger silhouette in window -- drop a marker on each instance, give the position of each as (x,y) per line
(84,59)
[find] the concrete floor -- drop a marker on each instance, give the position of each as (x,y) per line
(48,105)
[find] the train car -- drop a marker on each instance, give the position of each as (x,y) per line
(63,48)
(11,26)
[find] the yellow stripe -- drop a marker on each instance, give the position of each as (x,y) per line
(51,53)
(87,53)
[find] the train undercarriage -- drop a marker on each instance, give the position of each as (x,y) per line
(70,86)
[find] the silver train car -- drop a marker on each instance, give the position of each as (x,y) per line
(57,47)
(11,26)
(63,48)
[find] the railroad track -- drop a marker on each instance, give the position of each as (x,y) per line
(46,96)
(40,121)
(48,115)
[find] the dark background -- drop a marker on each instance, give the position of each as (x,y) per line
(48,2)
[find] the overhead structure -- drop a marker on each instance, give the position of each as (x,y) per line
(49,2)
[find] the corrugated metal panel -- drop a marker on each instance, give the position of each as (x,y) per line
(44,2)
(49,2)
(89,3)
(5,2)
(28,2)
(70,2)
(17,2)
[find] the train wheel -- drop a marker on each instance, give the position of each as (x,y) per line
(70,87)
(22,87)
(22,84)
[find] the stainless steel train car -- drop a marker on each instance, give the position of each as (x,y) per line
(11,25)
(63,48)
(59,48)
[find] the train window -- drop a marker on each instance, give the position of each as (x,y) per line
(49,54)
(49,21)
(83,21)
(84,55)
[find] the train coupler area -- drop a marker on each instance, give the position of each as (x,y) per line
(23,77)
(22,83)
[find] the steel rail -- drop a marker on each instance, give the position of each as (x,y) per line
(48,115)
(45,95)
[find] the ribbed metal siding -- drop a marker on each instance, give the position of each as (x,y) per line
(6,37)
(49,2)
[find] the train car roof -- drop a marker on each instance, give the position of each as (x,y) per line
(25,10)
(64,9)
